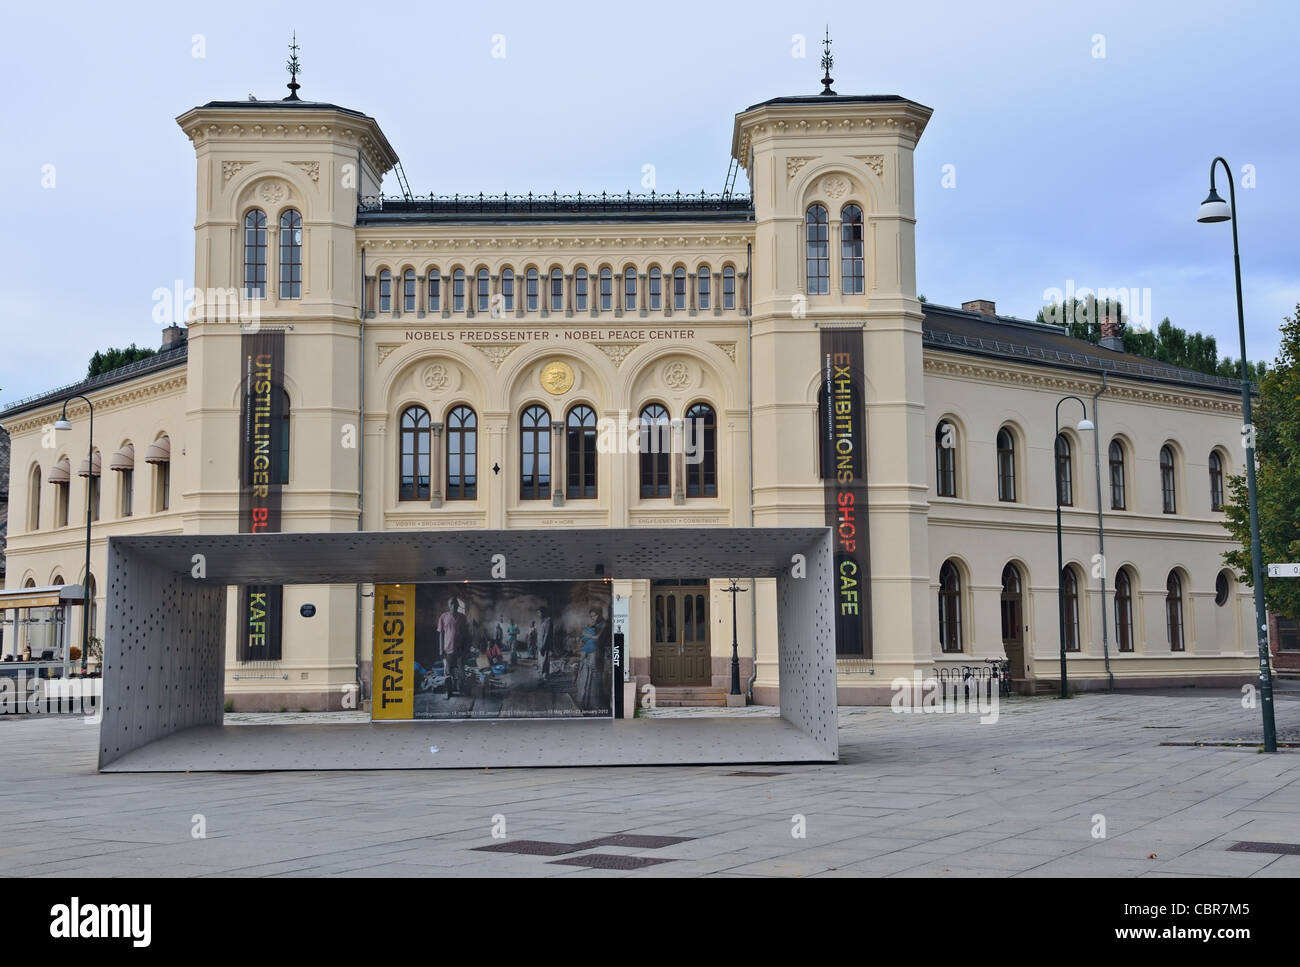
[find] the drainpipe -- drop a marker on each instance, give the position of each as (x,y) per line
(749,337)
(361,452)
(1101,532)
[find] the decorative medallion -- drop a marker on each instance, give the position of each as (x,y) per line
(272,192)
(677,376)
(557,378)
(435,377)
(835,186)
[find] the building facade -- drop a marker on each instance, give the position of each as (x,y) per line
(543,363)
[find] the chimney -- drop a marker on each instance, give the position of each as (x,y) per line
(983,306)
(173,336)
(1110,335)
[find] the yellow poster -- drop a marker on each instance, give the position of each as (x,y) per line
(394,662)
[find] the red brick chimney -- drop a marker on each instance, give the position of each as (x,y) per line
(984,307)
(1110,334)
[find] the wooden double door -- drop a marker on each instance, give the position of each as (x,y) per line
(679,633)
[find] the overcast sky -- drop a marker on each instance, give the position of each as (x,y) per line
(1068,165)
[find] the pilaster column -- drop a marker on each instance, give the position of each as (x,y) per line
(557,463)
(435,465)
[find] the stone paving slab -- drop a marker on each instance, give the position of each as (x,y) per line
(935,795)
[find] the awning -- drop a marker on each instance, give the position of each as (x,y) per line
(41,597)
(61,472)
(124,459)
(160,451)
(94,471)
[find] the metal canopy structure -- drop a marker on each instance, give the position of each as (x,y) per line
(164,659)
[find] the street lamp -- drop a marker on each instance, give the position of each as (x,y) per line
(1215,209)
(1082,426)
(62,424)
(735,590)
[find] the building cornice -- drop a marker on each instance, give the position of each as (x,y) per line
(455,239)
(891,118)
(121,394)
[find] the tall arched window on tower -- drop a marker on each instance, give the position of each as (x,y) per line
(629,288)
(413,467)
(535,454)
(1006,465)
(385,290)
(851,262)
(435,290)
(818,258)
(1174,612)
(701,445)
(949,608)
(704,282)
(729,287)
(1167,492)
(280,467)
(1117,495)
(655,445)
(462,454)
(1124,610)
(34,498)
(945,459)
(1216,481)
(408,290)
(1070,593)
(255,254)
(290,255)
(580,454)
(1064,483)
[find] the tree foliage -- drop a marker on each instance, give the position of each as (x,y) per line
(1277,477)
(110,359)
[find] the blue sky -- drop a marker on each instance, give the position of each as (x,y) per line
(1068,166)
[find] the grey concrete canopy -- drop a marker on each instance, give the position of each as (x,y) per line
(165,653)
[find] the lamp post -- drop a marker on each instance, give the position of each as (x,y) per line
(1215,209)
(62,424)
(735,591)
(1082,426)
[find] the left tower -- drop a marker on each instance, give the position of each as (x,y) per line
(277,184)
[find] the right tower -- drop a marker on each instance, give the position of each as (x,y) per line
(834,251)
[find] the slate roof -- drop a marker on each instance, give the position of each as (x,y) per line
(165,359)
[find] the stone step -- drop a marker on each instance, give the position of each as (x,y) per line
(682,696)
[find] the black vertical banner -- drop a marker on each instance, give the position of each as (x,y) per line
(262,474)
(844,473)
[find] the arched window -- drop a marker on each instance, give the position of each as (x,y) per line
(949,608)
(1222,588)
(679,288)
(1006,465)
(703,282)
(413,468)
(280,469)
(531,287)
(290,255)
(1124,610)
(535,454)
(1070,603)
(557,290)
(1064,484)
(818,250)
(435,290)
(408,290)
(580,453)
(1174,612)
(629,288)
(1117,497)
(483,295)
(945,459)
(159,453)
(656,289)
(851,263)
(655,445)
(1216,481)
(1167,480)
(606,289)
(94,483)
(729,287)
(580,290)
(34,498)
(701,446)
(458,290)
(385,290)
(62,491)
(462,454)
(255,254)
(508,290)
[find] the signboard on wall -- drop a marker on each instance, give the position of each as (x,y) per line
(491,650)
(262,450)
(843,440)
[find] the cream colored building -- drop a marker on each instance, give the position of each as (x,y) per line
(493,334)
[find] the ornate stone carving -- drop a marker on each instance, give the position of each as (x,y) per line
(310,168)
(496,352)
(876,162)
(617,351)
(729,348)
(231,168)
(792,166)
(835,187)
(435,377)
(677,376)
(384,350)
(272,192)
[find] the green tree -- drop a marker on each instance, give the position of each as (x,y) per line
(111,359)
(1277,477)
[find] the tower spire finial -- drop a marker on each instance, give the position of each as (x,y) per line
(293,67)
(827,62)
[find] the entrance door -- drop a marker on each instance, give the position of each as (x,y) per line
(1013,621)
(679,634)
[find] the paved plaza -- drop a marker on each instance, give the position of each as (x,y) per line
(915,795)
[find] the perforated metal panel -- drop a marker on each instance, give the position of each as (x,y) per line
(806,646)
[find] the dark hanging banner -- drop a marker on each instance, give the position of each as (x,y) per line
(261,476)
(844,472)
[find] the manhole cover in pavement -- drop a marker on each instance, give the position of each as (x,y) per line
(758,774)
(534,847)
(1289,849)
(610,861)
(643,842)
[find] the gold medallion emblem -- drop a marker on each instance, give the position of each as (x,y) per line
(557,378)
